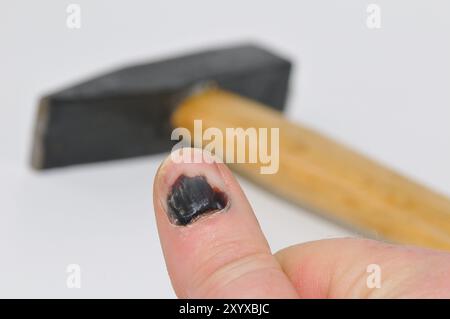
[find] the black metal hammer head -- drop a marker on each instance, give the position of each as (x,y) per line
(126,113)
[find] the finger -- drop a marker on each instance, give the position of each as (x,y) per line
(212,242)
(345,268)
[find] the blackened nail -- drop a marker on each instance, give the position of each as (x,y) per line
(192,197)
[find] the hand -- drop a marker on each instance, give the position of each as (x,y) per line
(214,247)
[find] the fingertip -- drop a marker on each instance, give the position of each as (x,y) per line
(212,242)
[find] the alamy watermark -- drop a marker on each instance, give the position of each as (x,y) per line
(234,145)
(73,279)
(373,20)
(73,20)
(374,278)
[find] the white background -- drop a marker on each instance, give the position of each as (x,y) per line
(385,92)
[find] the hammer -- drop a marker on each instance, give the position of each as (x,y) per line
(132,112)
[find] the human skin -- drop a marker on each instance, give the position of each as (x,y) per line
(224,254)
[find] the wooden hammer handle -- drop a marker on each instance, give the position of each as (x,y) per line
(325,176)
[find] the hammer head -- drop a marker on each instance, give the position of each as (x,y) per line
(126,113)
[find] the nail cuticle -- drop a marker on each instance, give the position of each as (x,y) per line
(191,198)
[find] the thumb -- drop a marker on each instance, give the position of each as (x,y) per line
(212,242)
